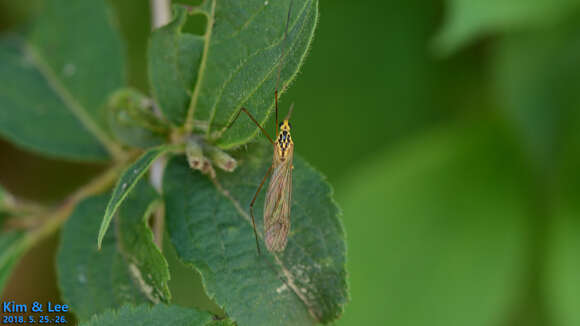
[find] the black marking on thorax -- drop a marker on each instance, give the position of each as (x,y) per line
(284,140)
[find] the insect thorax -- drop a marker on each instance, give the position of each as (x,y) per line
(284,141)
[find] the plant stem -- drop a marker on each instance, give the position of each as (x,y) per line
(160,15)
(159,226)
(55,219)
(160,12)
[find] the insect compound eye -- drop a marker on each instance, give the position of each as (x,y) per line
(290,125)
(280,125)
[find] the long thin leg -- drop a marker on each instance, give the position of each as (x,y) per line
(252,206)
(281,61)
(254,120)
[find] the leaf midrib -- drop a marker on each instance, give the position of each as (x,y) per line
(75,107)
(188,127)
(258,85)
(202,65)
(309,305)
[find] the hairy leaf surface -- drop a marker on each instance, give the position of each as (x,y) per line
(158,315)
(125,185)
(93,280)
(239,66)
(211,230)
(173,66)
(147,264)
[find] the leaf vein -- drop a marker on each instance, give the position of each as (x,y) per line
(202,65)
(76,108)
(309,305)
(258,85)
(243,27)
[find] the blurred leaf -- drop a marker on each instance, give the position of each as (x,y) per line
(125,184)
(92,280)
(6,200)
(67,74)
(85,62)
(438,231)
(561,286)
(562,281)
(133,19)
(146,262)
(144,315)
(3,195)
(469,19)
(241,64)
(133,121)
(34,115)
(13,244)
(173,66)
(211,230)
(537,75)
(395,89)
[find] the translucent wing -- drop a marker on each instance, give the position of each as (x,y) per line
(278,202)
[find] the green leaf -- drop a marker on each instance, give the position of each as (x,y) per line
(240,64)
(562,282)
(469,19)
(158,315)
(225,322)
(126,182)
(536,75)
(33,115)
(185,285)
(173,60)
(211,230)
(55,82)
(439,230)
(146,262)
(92,280)
(13,244)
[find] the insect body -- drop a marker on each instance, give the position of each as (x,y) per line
(279,195)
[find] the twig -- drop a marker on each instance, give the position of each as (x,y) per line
(159,226)
(160,12)
(55,219)
(160,15)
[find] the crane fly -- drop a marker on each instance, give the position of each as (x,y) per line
(279,193)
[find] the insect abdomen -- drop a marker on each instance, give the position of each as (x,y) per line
(277,236)
(277,207)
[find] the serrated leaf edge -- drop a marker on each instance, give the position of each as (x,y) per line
(281,91)
(146,288)
(285,271)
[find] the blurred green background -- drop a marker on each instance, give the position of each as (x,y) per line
(451,133)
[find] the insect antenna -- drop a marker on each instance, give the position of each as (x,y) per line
(289,111)
(284,40)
